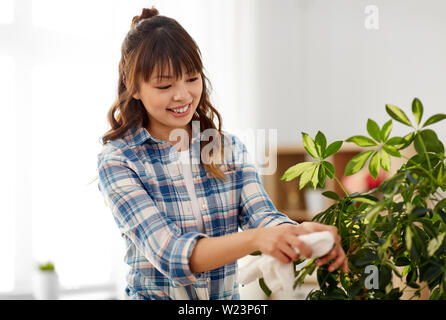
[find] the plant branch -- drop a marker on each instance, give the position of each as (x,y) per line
(341,185)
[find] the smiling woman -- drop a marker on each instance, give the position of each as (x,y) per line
(160,48)
(180,220)
(54,93)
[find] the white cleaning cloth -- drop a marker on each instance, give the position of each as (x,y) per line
(278,275)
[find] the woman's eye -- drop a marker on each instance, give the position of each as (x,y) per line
(167,87)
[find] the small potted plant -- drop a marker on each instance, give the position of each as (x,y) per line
(46,282)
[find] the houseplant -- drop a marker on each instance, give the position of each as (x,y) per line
(45,282)
(399,227)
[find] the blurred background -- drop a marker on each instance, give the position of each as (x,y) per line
(288,65)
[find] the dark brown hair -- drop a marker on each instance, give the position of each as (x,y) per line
(158,41)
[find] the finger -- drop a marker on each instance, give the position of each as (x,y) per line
(314,226)
(304,249)
(303,229)
(338,262)
(279,255)
(329,256)
(288,251)
(345,266)
(337,238)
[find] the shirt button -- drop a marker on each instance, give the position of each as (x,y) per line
(204,206)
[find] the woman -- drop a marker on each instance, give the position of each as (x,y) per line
(179,206)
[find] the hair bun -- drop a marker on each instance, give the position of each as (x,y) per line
(145,14)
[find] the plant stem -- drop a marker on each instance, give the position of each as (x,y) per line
(422,169)
(341,185)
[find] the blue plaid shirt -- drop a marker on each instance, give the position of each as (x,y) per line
(141,180)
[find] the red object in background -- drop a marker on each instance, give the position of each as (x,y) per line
(372,183)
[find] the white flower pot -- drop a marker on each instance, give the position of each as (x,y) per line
(315,201)
(45,285)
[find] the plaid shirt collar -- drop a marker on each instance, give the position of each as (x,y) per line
(137,136)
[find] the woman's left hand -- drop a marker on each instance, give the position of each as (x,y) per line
(337,253)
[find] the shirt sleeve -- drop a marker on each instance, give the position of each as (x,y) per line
(156,236)
(256,207)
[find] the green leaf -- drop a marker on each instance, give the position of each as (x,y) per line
(435,243)
(440,175)
(264,287)
(398,114)
(315,177)
(385,160)
(386,129)
(395,141)
(309,145)
(402,261)
(411,278)
(331,195)
(373,130)
(435,118)
(385,276)
(362,141)
(357,162)
(307,176)
(432,271)
(430,140)
(364,257)
(418,212)
(372,214)
(296,170)
(407,140)
(406,270)
(375,165)
(321,143)
(256,253)
(417,110)
(332,148)
(329,168)
(321,176)
(367,200)
(355,288)
(392,150)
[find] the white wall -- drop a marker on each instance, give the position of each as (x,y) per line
(319,68)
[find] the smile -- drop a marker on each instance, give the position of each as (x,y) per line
(180,111)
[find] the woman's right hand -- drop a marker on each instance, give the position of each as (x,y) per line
(280,241)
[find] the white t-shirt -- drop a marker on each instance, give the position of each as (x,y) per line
(184,157)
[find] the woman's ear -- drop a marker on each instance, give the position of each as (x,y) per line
(136,96)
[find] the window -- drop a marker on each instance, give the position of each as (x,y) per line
(8,171)
(59,71)
(6,11)
(57,84)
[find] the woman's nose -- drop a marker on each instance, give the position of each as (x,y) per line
(181,93)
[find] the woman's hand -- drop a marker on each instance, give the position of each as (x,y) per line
(280,241)
(337,253)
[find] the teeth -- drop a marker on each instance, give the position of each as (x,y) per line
(180,110)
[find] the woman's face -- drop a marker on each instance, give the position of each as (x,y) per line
(170,103)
